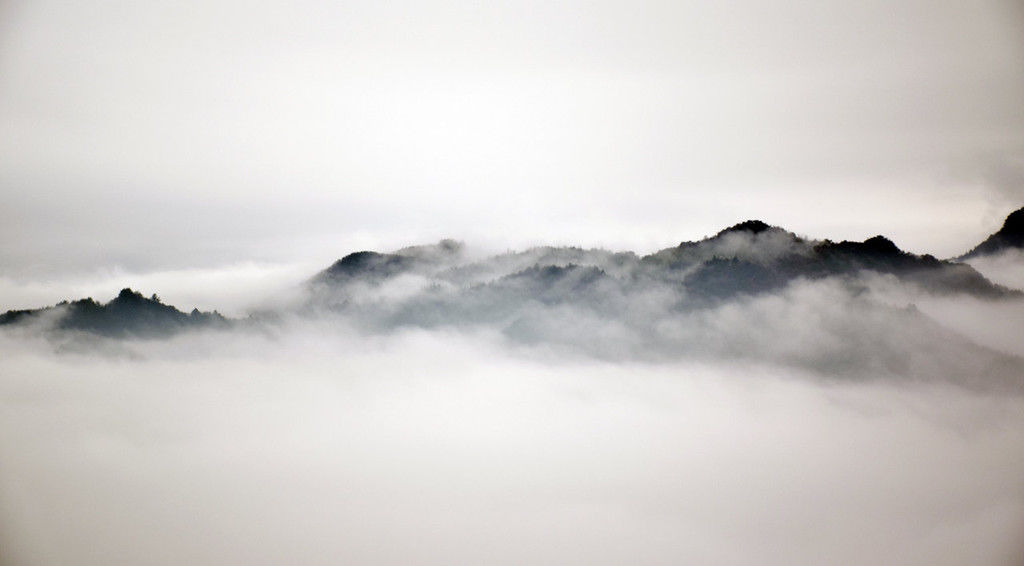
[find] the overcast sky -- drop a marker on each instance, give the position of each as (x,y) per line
(168,135)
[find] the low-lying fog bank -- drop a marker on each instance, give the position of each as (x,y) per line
(1005,268)
(319,445)
(752,398)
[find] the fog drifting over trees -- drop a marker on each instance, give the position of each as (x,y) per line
(434,405)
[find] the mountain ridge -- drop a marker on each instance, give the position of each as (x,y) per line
(749,258)
(1009,236)
(127,314)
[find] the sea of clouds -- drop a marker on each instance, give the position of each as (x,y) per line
(833,421)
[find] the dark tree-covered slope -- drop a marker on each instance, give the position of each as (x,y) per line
(1010,236)
(749,258)
(128,314)
(437,284)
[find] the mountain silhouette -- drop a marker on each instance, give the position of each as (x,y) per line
(369,266)
(128,314)
(1010,236)
(748,258)
(437,285)
(752,291)
(731,295)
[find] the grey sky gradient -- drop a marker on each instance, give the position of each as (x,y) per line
(195,134)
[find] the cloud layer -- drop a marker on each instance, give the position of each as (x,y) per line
(321,445)
(550,406)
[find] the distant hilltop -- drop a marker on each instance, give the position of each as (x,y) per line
(1010,236)
(128,314)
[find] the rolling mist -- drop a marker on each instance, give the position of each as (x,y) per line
(436,405)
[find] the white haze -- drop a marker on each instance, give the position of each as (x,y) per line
(311,441)
(1005,267)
